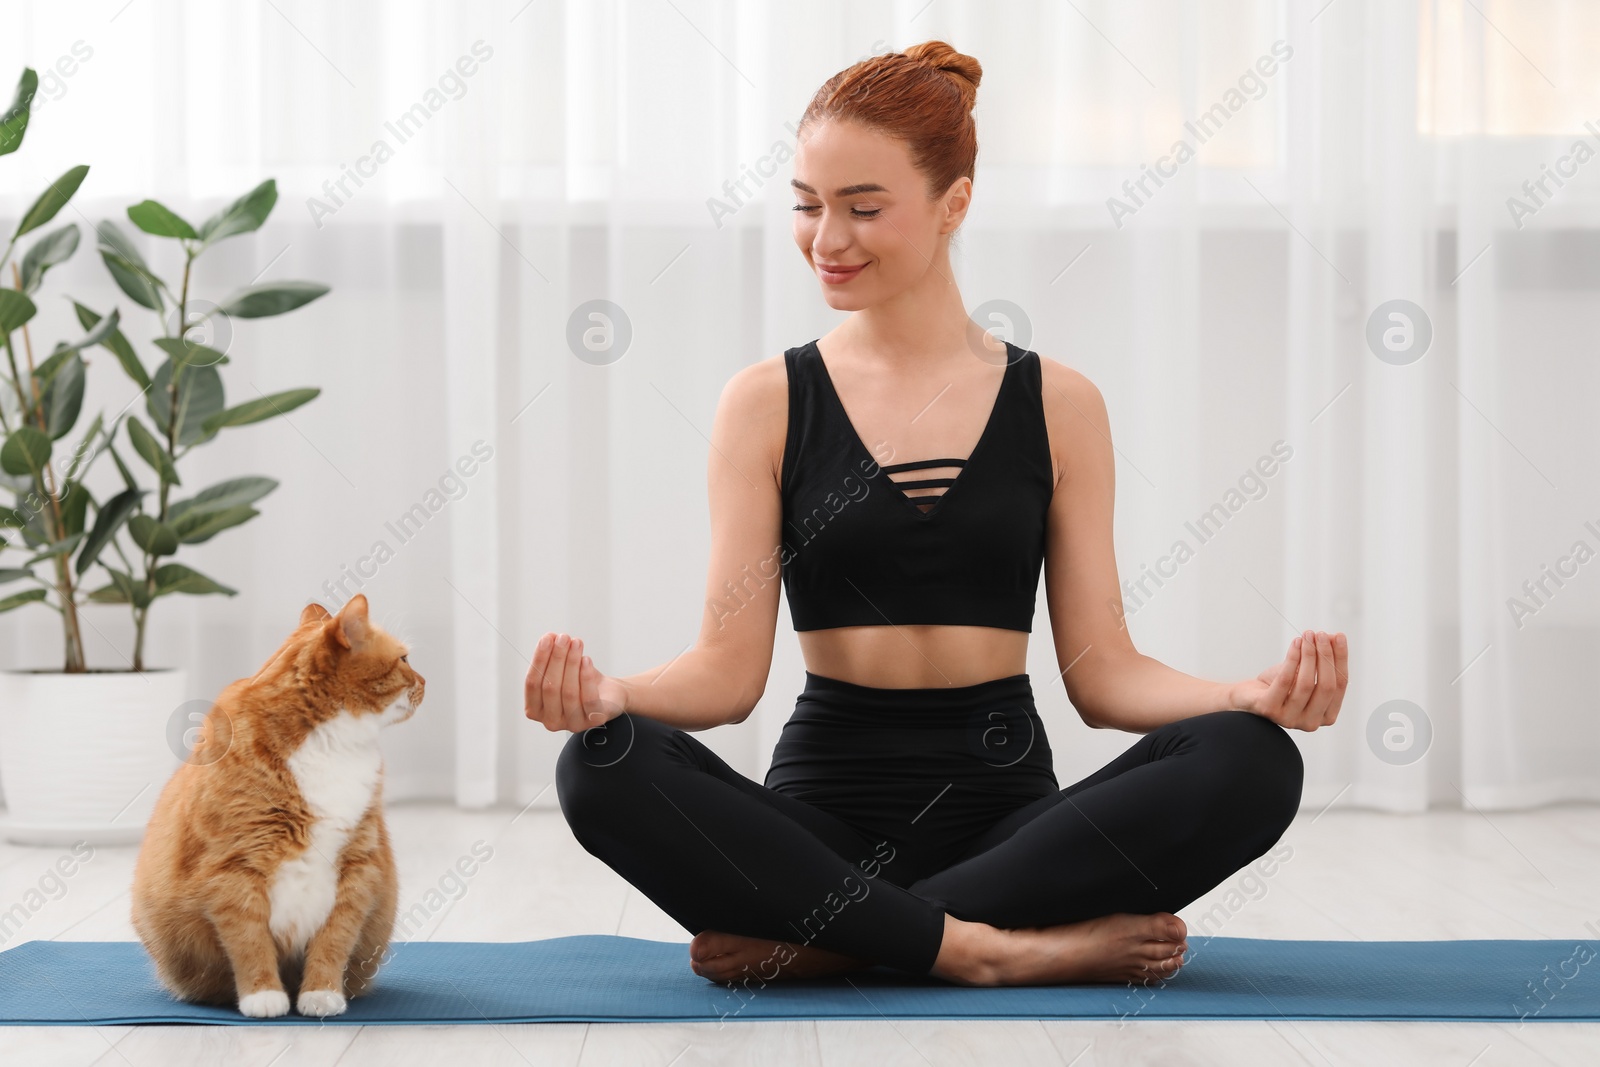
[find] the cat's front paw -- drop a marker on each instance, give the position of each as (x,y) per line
(264,1004)
(320,1003)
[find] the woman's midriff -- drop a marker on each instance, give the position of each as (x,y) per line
(915,657)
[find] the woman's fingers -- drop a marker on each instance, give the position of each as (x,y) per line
(563,689)
(554,718)
(1341,676)
(547,686)
(571,696)
(1277,694)
(532,686)
(589,688)
(533,690)
(1304,684)
(1316,713)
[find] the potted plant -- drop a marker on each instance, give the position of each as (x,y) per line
(84,752)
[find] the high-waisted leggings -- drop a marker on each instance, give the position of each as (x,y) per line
(885,809)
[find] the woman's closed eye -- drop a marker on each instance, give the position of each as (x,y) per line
(874,213)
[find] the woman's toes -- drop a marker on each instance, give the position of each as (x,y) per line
(708,944)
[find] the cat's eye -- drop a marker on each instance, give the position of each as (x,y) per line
(406,658)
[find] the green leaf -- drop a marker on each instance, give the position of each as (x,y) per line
(231,493)
(152,535)
(152,451)
(98,335)
(112,238)
(14,120)
(117,345)
(86,447)
(200,396)
(176,578)
(11,517)
(34,532)
(57,548)
(113,514)
(53,248)
(11,574)
(62,399)
(44,372)
(26,451)
(109,594)
(263,408)
(271,298)
(156,218)
(52,200)
(16,600)
(116,457)
(75,501)
(133,591)
(187,353)
(127,266)
(198,526)
(15,309)
(139,285)
(243,215)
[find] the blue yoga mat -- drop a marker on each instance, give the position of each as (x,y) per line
(599,978)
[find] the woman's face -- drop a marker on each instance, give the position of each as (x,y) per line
(861,204)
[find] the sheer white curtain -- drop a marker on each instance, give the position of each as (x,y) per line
(470,177)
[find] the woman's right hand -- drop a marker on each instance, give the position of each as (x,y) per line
(565,691)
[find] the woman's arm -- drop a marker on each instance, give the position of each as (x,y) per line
(722,675)
(1110,683)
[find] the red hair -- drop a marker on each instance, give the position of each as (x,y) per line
(922,96)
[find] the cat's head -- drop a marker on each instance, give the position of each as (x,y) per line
(370,671)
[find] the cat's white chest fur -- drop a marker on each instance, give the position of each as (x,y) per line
(337,769)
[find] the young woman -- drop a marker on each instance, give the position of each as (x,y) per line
(910,476)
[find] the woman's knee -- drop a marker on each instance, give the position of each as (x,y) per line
(1257,755)
(598,768)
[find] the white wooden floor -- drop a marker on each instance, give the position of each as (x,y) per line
(1349,874)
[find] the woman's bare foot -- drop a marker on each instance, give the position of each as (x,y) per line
(730,958)
(1113,948)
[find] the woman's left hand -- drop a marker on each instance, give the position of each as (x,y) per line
(1305,690)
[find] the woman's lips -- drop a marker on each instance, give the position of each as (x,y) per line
(840,275)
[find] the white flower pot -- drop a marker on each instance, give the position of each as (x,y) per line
(84,756)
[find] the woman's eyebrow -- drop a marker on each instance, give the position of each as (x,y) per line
(848,190)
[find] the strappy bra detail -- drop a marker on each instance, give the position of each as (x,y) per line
(924,548)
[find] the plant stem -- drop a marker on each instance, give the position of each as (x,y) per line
(16,379)
(138,637)
(174,419)
(71,631)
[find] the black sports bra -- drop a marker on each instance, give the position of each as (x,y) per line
(859,550)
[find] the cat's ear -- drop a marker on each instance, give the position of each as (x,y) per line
(352,626)
(314,612)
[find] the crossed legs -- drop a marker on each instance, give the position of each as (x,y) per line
(1096,868)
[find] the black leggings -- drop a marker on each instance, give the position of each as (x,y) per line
(885,809)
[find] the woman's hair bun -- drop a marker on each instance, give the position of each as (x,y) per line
(941,56)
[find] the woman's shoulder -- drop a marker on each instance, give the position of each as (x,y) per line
(1067,385)
(753,411)
(1074,410)
(758,387)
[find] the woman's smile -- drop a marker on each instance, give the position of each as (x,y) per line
(840,273)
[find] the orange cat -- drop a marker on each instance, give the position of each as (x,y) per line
(267,864)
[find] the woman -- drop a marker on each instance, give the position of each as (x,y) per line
(911,816)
